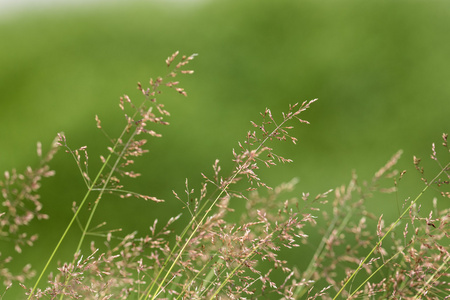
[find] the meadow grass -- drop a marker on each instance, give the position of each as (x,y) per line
(228,253)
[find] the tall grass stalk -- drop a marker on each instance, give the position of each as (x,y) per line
(145,113)
(250,158)
(216,258)
(391,228)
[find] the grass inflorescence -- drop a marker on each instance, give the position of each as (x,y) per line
(359,255)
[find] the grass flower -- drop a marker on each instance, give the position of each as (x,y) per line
(223,253)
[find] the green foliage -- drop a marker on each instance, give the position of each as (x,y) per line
(213,256)
(379,68)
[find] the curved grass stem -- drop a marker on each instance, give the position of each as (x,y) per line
(223,190)
(389,231)
(63,236)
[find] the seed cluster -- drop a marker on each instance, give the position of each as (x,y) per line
(228,253)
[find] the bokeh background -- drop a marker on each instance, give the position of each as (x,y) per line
(380,69)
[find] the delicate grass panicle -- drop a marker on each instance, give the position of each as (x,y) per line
(21,205)
(359,256)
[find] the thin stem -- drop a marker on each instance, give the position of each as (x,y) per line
(319,252)
(427,284)
(86,196)
(91,185)
(225,281)
(389,231)
(190,237)
(373,274)
(97,201)
(207,279)
(166,262)
(229,181)
(91,188)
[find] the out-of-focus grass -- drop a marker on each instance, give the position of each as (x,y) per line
(379,69)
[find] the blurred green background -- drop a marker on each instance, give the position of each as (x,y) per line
(380,69)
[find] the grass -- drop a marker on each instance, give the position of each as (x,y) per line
(225,252)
